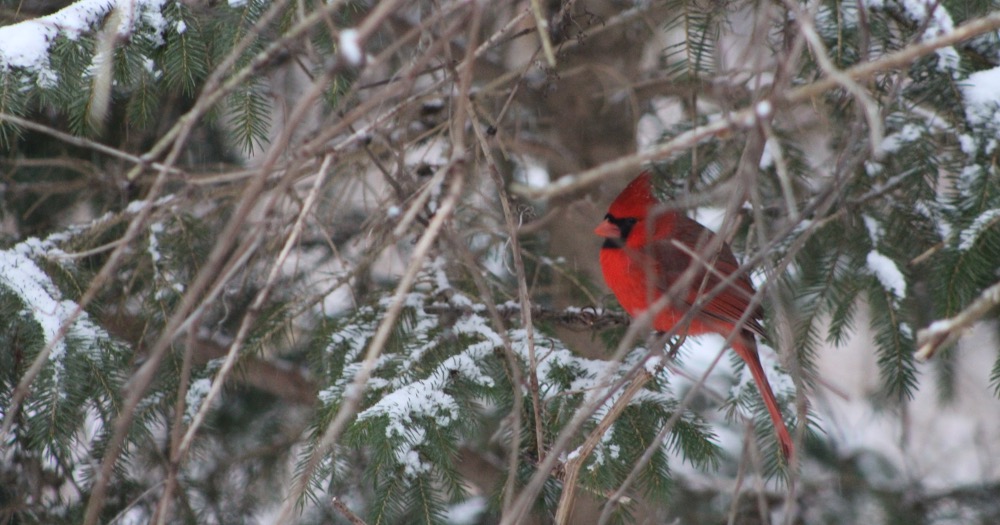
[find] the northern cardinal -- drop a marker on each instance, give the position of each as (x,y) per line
(644,255)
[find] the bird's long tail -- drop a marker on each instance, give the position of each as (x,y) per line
(748,351)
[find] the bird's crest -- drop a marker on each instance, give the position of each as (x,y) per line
(636,199)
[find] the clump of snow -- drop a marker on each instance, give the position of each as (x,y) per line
(968,144)
(350,47)
(982,98)
(155,230)
(875,231)
(195,395)
(886,271)
(894,142)
(604,450)
(533,175)
(764,108)
(767,156)
(466,512)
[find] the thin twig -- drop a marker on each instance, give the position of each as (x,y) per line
(542,24)
(84,142)
(947,331)
(345,511)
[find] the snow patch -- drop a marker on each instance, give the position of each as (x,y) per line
(350,47)
(195,395)
(982,97)
(886,271)
(875,231)
(894,142)
(466,512)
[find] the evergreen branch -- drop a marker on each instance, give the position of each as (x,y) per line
(514,369)
(747,117)
(254,312)
(174,139)
(620,494)
(353,395)
(946,331)
(582,413)
(345,511)
(572,466)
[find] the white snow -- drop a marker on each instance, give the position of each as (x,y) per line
(197,391)
(910,133)
(534,174)
(968,142)
(764,108)
(886,271)
(875,231)
(466,512)
(350,47)
(767,156)
(22,276)
(939,445)
(982,97)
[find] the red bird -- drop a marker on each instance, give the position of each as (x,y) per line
(641,260)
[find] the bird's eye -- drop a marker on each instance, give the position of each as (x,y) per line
(625,225)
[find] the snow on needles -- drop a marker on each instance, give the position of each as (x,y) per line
(886,271)
(42,300)
(982,97)
(411,394)
(26,44)
(350,47)
(968,237)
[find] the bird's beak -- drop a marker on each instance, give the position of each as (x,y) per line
(606,229)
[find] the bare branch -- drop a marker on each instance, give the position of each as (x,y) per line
(947,331)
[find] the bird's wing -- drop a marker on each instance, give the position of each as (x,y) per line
(673,256)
